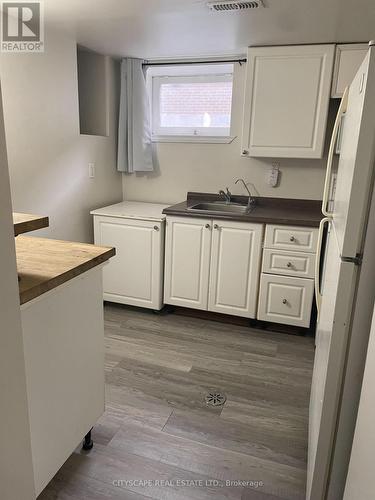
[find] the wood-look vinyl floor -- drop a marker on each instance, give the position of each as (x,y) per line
(163,442)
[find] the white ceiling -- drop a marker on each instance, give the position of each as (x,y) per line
(176,28)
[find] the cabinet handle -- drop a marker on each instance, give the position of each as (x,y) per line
(285,301)
(156,228)
(216,226)
(289,264)
(292,238)
(207,226)
(245,152)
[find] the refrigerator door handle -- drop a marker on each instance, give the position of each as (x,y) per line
(318,295)
(336,129)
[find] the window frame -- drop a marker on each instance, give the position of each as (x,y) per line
(157,75)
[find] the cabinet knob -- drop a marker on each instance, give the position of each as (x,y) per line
(216,226)
(156,228)
(292,238)
(245,152)
(207,226)
(285,301)
(289,264)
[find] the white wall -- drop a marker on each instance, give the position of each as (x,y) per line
(361,478)
(16,470)
(48,158)
(210,167)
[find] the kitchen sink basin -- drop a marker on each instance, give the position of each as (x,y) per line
(231,208)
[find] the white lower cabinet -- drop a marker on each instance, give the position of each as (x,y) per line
(235,266)
(283,299)
(187,262)
(286,293)
(213,265)
(135,275)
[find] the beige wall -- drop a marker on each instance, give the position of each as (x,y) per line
(16,469)
(48,158)
(210,167)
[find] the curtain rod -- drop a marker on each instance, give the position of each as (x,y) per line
(186,63)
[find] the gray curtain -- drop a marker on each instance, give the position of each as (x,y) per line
(134,135)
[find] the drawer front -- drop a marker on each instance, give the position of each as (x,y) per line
(288,263)
(303,239)
(286,300)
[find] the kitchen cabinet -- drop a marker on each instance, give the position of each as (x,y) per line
(286,292)
(61,297)
(213,265)
(187,262)
(135,275)
(285,300)
(291,238)
(348,59)
(63,335)
(286,101)
(288,263)
(235,267)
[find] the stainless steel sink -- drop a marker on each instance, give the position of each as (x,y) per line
(217,206)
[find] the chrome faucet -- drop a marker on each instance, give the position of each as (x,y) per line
(227,195)
(251,200)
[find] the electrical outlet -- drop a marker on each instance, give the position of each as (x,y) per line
(91,170)
(273,175)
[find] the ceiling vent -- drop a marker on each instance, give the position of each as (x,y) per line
(233,5)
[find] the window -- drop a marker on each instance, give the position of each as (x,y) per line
(191,103)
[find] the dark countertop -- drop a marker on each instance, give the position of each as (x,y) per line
(267,210)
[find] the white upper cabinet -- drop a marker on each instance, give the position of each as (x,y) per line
(348,59)
(286,101)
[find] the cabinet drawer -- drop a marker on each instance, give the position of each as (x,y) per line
(290,237)
(288,263)
(286,300)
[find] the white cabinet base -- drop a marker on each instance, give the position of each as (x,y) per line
(135,275)
(63,333)
(287,300)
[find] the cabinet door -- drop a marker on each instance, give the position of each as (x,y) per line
(235,267)
(348,59)
(286,101)
(135,275)
(187,262)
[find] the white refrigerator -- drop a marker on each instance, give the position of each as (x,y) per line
(345,289)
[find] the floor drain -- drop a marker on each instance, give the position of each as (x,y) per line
(215,398)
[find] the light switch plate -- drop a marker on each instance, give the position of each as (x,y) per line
(91,170)
(273,175)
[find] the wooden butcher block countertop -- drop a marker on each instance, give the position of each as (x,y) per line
(24,223)
(44,264)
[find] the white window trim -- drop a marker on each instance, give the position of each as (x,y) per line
(194,138)
(157,75)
